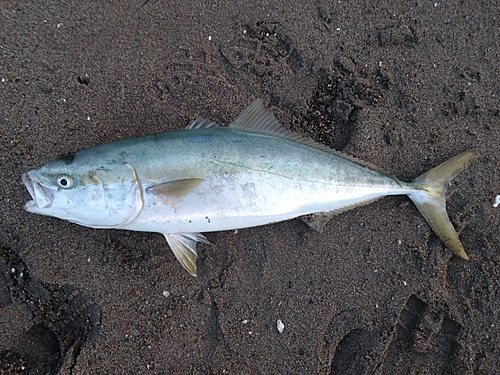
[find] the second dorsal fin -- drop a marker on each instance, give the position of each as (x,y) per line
(257,119)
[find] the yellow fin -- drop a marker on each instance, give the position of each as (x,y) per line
(430,199)
(170,192)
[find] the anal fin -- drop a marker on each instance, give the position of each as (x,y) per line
(318,220)
(184,247)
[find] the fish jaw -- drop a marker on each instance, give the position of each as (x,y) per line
(42,196)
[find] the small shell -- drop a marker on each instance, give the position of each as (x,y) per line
(280,326)
(497,201)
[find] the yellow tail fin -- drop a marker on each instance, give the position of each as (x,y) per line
(430,200)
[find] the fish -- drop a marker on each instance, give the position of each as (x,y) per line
(208,178)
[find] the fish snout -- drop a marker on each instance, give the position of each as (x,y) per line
(42,196)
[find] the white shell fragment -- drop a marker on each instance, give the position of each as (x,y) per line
(497,201)
(280,326)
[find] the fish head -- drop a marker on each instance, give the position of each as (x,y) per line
(97,195)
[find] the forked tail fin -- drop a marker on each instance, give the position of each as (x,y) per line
(430,198)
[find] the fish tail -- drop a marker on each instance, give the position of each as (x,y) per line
(429,197)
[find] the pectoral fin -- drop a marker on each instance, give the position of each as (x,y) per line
(172,191)
(184,247)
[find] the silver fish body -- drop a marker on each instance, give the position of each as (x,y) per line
(255,180)
(207,178)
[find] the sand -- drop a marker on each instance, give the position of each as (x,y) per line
(404,85)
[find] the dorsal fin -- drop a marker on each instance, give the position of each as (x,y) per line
(202,123)
(257,119)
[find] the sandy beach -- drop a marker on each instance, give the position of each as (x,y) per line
(402,85)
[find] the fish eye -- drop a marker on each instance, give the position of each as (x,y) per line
(64,181)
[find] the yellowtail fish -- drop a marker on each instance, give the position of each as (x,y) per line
(208,178)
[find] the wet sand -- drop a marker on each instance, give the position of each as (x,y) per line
(403,86)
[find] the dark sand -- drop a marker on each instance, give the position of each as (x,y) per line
(401,86)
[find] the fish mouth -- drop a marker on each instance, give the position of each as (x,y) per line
(42,196)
